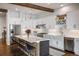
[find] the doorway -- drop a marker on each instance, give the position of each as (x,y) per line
(3,22)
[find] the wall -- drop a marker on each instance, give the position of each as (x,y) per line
(72,12)
(2,24)
(72,20)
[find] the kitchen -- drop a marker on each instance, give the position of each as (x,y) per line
(45,26)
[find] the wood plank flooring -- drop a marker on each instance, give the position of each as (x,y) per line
(68,53)
(9,51)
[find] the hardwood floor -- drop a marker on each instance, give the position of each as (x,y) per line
(9,51)
(68,53)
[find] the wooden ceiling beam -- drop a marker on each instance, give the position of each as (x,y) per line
(30,5)
(3,10)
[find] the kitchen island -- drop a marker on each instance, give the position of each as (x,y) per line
(32,45)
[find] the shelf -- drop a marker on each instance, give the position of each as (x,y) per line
(24,46)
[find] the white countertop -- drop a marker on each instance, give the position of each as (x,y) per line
(72,36)
(65,33)
(31,39)
(55,34)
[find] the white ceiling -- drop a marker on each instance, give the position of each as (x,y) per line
(34,12)
(52,5)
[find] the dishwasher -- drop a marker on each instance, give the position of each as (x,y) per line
(69,44)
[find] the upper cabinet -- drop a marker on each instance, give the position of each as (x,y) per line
(17,17)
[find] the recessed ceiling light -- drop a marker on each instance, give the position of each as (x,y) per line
(61,5)
(48,3)
(16,9)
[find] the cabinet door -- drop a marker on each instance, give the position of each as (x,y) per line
(60,42)
(51,41)
(76,46)
(54,41)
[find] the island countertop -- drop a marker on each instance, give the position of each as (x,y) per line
(41,45)
(31,39)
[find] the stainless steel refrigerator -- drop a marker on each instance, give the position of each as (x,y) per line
(14,30)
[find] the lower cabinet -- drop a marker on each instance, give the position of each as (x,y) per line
(56,41)
(61,43)
(76,46)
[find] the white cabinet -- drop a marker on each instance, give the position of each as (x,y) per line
(49,37)
(56,41)
(61,43)
(76,46)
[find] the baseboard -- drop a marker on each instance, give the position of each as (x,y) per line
(56,49)
(56,52)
